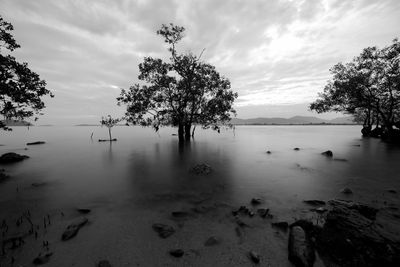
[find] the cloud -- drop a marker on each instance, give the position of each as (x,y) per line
(276,53)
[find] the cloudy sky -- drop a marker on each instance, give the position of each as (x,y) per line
(277,54)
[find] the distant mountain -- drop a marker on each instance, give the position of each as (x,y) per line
(16,123)
(296,120)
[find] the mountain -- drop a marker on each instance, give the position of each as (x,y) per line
(296,120)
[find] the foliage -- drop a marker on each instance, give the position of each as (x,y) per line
(182,92)
(109,122)
(21,89)
(368,87)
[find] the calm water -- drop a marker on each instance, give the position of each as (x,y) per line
(144,175)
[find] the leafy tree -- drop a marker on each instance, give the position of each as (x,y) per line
(109,122)
(182,92)
(21,89)
(368,87)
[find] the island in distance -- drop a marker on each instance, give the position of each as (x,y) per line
(296,120)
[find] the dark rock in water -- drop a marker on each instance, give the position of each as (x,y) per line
(393,191)
(163,230)
(107,140)
(179,214)
(346,191)
(39,184)
(3,176)
(241,223)
(256,201)
(327,153)
(201,169)
(39,260)
(339,159)
(12,157)
(351,237)
(301,252)
(36,143)
(104,263)
(211,241)
(174,134)
(315,202)
(268,152)
(83,210)
(73,229)
(263,212)
(296,149)
(254,257)
(280,225)
(176,253)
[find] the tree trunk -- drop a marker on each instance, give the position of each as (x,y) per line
(109,133)
(181,133)
(187,131)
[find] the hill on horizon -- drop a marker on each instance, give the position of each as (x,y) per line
(296,120)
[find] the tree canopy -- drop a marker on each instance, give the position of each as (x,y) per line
(21,89)
(182,92)
(368,87)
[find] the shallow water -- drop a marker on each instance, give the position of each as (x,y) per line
(138,180)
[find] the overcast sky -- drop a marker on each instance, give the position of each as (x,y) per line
(277,54)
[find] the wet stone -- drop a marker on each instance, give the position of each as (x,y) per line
(163,230)
(73,229)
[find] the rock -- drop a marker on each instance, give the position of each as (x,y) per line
(107,140)
(104,263)
(39,184)
(201,169)
(254,257)
(179,214)
(36,143)
(268,152)
(393,191)
(241,223)
(327,153)
(12,157)
(163,230)
(176,253)
(39,260)
(315,202)
(346,191)
(73,229)
(263,212)
(83,210)
(256,201)
(301,252)
(281,225)
(352,237)
(211,241)
(296,149)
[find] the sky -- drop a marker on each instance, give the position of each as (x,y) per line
(276,53)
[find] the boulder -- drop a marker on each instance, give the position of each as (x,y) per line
(256,201)
(73,229)
(296,149)
(346,191)
(301,251)
(12,157)
(163,230)
(327,153)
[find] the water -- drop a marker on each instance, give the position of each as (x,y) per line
(141,178)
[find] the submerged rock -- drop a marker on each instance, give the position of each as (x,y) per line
(42,259)
(268,152)
(327,153)
(176,253)
(254,256)
(12,157)
(104,263)
(36,143)
(256,201)
(315,202)
(211,241)
(163,230)
(346,191)
(301,251)
(73,229)
(263,212)
(296,149)
(281,225)
(83,210)
(201,169)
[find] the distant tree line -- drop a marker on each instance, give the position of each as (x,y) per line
(368,88)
